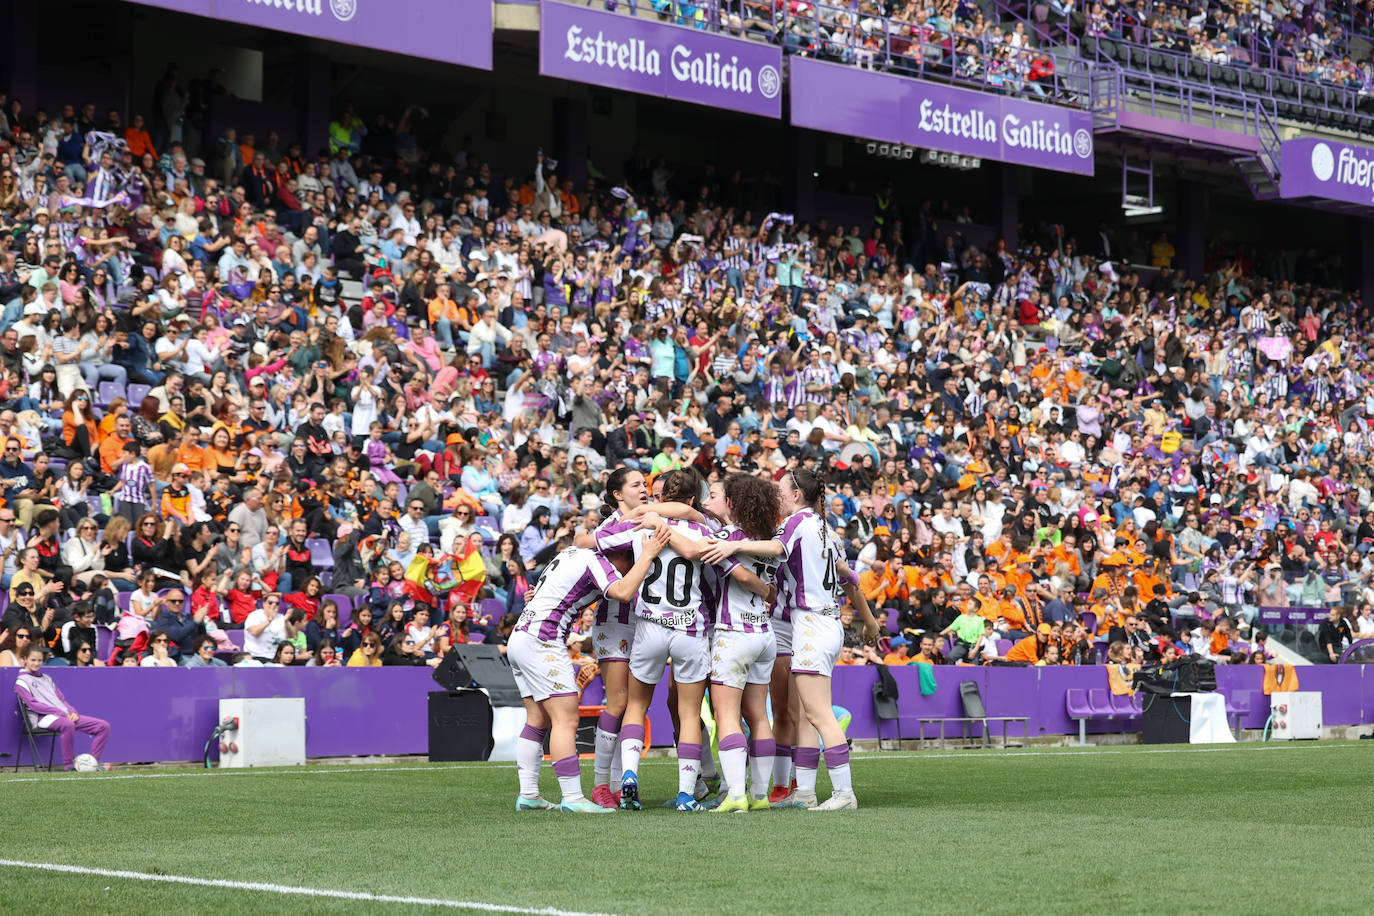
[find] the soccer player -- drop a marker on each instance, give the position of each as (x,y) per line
(670,624)
(743,647)
(544,672)
(613,634)
(811,576)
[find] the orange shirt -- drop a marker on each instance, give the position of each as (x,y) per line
(877,589)
(139,142)
(1060,554)
(111,450)
(69,426)
(441,309)
(1219,642)
(989,607)
(1025,650)
(193,456)
(893,658)
(1016,619)
(216,461)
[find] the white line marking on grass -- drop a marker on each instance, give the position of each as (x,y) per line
(266,888)
(970,754)
(341,768)
(974,754)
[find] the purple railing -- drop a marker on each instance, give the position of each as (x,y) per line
(1294,97)
(1041,18)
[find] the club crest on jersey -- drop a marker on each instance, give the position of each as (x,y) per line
(624,645)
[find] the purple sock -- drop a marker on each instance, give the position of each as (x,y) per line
(836,756)
(730,742)
(608,723)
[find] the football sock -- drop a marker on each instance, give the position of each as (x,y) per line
(837,765)
(760,765)
(607,734)
(529,757)
(734,761)
(808,760)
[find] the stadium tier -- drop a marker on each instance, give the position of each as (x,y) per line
(373,329)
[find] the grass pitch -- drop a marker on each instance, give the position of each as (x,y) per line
(1122,830)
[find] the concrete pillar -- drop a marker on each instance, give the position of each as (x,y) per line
(1004,198)
(1190,237)
(1359,264)
(804,171)
(315,84)
(19,69)
(570,140)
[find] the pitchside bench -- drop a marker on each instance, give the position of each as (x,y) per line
(974,711)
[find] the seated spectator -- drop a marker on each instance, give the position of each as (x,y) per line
(48,708)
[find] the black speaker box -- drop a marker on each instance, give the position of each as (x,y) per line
(459,725)
(479,666)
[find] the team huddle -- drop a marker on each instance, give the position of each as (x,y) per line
(739,584)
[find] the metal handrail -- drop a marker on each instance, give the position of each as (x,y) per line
(1332,97)
(919,50)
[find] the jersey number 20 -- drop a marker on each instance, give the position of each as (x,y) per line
(677,587)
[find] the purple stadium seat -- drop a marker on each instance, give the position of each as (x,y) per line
(1124,705)
(236,637)
(104,642)
(107,392)
(892,620)
(1089,620)
(491,530)
(494,608)
(136,394)
(475,638)
(1100,705)
(1077,707)
(320,553)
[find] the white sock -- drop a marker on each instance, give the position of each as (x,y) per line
(607,734)
(688,767)
(569,773)
(782,766)
(734,761)
(631,746)
(760,765)
(529,757)
(808,761)
(837,765)
(616,768)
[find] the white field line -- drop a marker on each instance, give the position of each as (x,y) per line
(866,757)
(288,889)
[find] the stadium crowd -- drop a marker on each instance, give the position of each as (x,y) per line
(352,401)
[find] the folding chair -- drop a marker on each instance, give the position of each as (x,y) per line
(885,694)
(33,733)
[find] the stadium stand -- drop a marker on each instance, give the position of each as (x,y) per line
(279,381)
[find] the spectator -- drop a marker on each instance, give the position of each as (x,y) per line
(48,708)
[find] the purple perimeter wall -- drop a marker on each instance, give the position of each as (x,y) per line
(165,715)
